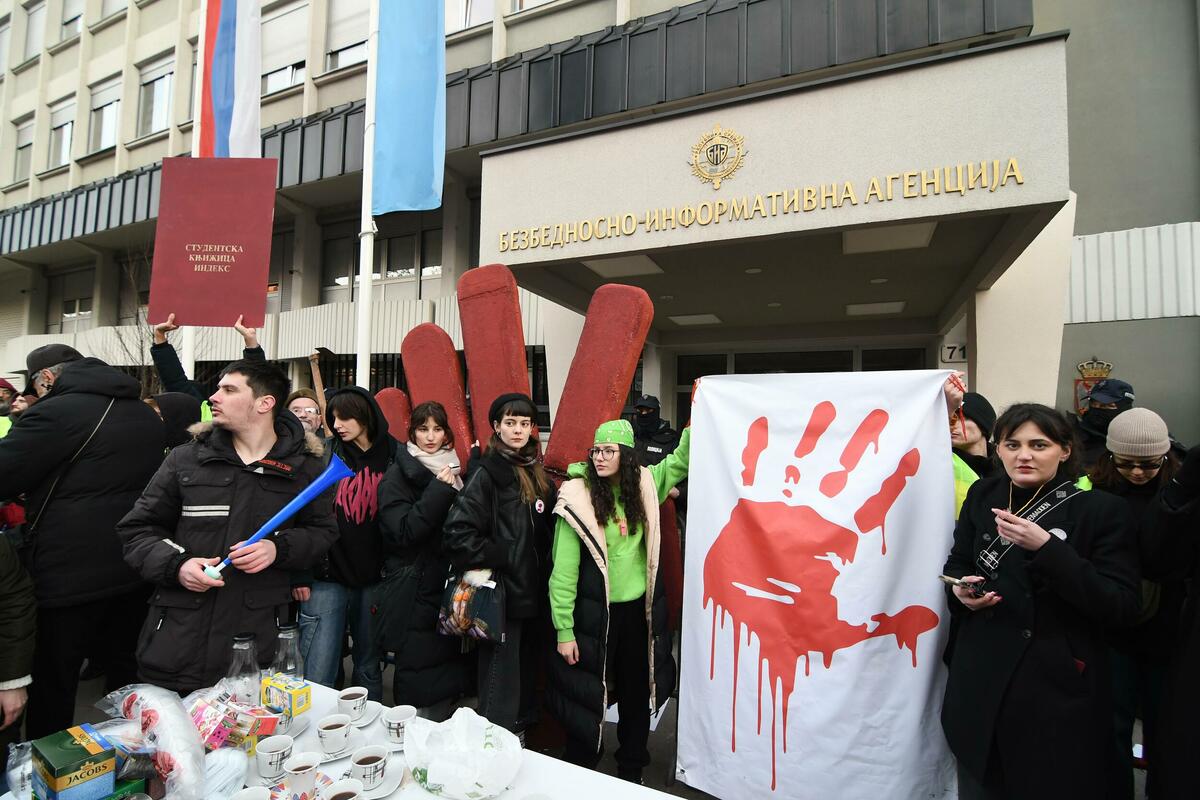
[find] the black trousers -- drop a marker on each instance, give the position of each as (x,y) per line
(628,670)
(106,629)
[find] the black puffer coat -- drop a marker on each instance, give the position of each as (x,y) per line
(75,556)
(578,694)
(491,527)
(413,506)
(18,616)
(1029,677)
(202,501)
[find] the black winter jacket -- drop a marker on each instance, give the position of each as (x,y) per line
(491,527)
(202,501)
(1170,544)
(1029,677)
(413,506)
(18,616)
(75,556)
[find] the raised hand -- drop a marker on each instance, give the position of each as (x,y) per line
(163,328)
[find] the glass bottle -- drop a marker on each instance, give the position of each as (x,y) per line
(244,677)
(288,661)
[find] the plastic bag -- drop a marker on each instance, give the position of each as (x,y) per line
(224,773)
(463,758)
(167,729)
(20,770)
(135,758)
(223,723)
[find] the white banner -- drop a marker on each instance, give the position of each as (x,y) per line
(821,512)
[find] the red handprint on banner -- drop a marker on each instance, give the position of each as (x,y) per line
(771,567)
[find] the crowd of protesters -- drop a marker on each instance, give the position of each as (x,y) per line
(1072,576)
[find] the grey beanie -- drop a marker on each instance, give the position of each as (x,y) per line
(1138,433)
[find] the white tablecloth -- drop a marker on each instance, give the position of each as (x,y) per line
(540,777)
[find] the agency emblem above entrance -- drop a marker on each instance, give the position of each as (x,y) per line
(717,155)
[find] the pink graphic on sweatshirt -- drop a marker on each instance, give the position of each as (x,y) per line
(358,496)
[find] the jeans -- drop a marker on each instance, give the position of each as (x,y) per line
(505,693)
(324,618)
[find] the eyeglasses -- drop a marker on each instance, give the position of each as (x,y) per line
(603,453)
(1144,466)
(309,410)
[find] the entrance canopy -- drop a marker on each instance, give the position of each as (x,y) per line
(867,204)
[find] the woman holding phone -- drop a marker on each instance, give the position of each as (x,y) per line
(1052,568)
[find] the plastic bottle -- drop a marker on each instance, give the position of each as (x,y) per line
(244,676)
(288,661)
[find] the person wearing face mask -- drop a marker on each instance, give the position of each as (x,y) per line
(654,437)
(1106,400)
(1137,465)
(1051,569)
(501,522)
(607,598)
(415,497)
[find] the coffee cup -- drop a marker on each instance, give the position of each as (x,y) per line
(300,775)
(253,793)
(395,720)
(270,755)
(345,789)
(333,732)
(353,701)
(369,765)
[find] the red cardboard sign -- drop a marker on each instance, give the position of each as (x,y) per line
(212,249)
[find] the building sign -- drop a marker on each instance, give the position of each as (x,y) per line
(717,156)
(988,176)
(895,147)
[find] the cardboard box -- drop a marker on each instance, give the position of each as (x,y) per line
(126,788)
(290,695)
(75,764)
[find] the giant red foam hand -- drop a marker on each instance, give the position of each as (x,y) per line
(772,566)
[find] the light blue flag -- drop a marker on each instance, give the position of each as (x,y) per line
(410,106)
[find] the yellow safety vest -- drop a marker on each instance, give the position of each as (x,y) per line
(964,476)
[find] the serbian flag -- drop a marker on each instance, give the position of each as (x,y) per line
(229,76)
(410,107)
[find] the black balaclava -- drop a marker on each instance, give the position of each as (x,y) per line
(647,424)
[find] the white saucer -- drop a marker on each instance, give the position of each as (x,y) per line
(391,781)
(299,725)
(369,715)
(390,745)
(356,740)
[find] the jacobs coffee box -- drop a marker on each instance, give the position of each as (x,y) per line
(75,764)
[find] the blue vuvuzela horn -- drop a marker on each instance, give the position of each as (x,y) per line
(333,473)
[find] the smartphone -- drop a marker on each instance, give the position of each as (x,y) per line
(974,587)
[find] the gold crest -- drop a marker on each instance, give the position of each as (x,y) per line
(717,155)
(1094,369)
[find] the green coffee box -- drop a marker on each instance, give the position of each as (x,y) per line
(75,764)
(126,788)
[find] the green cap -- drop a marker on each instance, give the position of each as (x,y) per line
(615,431)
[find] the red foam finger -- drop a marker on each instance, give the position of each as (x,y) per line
(618,319)
(393,403)
(433,372)
(493,339)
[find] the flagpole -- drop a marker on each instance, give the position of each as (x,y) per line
(366,234)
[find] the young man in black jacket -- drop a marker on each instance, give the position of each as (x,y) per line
(206,499)
(81,456)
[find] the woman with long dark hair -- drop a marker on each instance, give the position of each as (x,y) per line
(1051,568)
(607,599)
(431,670)
(1136,465)
(501,522)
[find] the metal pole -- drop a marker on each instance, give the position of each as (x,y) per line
(366,234)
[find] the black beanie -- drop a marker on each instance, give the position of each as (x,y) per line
(503,400)
(977,409)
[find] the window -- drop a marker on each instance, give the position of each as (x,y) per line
(62,123)
(110,7)
(431,262)
(346,40)
(284,47)
(192,83)
(24,150)
(154,99)
(35,29)
(5,30)
(461,14)
(69,301)
(106,111)
(72,19)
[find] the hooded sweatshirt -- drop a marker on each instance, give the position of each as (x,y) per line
(356,559)
(179,412)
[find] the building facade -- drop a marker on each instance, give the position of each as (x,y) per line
(798,185)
